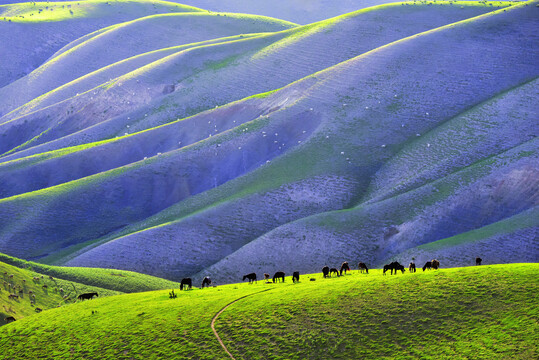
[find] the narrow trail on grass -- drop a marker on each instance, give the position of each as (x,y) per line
(220,312)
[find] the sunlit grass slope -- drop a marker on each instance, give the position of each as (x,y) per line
(111,279)
(34,290)
(31,32)
(486,312)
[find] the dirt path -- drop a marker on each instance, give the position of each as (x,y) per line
(220,312)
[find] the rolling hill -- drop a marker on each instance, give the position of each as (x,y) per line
(484,311)
(193,143)
(32,32)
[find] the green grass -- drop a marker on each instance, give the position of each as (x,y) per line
(114,280)
(13,279)
(486,312)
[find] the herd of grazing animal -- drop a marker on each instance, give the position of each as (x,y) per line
(187,283)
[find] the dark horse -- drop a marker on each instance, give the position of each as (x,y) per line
(435,264)
(325,271)
(206,282)
(187,282)
(279,275)
(362,267)
(333,270)
(345,267)
(478,261)
(295,276)
(87,296)
(394,266)
(428,265)
(251,277)
(411,267)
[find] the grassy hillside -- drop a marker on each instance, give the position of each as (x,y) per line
(114,280)
(34,290)
(486,312)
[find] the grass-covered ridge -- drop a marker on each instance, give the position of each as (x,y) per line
(112,279)
(485,312)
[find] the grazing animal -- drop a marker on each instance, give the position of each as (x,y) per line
(333,270)
(428,265)
(10,319)
(478,261)
(13,296)
(411,267)
(394,266)
(313,279)
(278,275)
(295,276)
(38,310)
(45,286)
(325,271)
(206,282)
(362,267)
(87,296)
(344,267)
(251,277)
(266,276)
(435,264)
(187,282)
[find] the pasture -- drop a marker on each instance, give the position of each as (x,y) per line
(486,312)
(112,279)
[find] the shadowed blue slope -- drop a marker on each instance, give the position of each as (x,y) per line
(348,114)
(208,77)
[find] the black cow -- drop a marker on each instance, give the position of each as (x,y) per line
(295,276)
(87,296)
(187,283)
(206,282)
(478,261)
(325,271)
(251,277)
(279,275)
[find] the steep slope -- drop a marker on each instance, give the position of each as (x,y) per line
(338,129)
(207,76)
(373,155)
(136,37)
(32,32)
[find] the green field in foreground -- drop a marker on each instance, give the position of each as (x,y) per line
(486,312)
